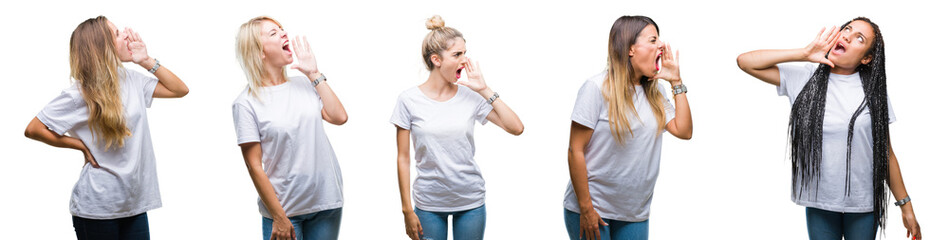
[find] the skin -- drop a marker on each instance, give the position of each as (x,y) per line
(441,86)
(275,58)
(643,59)
(130,48)
(856,38)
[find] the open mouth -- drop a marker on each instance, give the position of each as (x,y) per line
(286,47)
(659,61)
(458,72)
(839,49)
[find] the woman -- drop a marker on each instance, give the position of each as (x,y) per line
(104,116)
(839,133)
(279,123)
(616,134)
(440,115)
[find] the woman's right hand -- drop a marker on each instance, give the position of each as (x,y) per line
(413,227)
(282,229)
(817,50)
(590,223)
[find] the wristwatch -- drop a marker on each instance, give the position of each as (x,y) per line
(902,202)
(677,89)
(319,80)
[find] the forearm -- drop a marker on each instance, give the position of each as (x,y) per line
(895,178)
(768,58)
(333,108)
(683,116)
(578,177)
(404,187)
(509,120)
(266,192)
(167,78)
(38,131)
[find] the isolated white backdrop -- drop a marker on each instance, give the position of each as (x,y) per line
(730,181)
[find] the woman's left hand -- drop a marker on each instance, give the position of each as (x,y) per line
(909,221)
(670,66)
(306,62)
(475,80)
(137,47)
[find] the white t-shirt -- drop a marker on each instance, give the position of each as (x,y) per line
(844,95)
(621,177)
(287,120)
(126,183)
(448,179)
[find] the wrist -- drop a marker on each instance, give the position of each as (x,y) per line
(147,63)
(314,75)
(675,82)
(486,93)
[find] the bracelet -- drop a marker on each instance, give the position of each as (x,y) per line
(155,68)
(677,89)
(902,202)
(319,79)
(494,97)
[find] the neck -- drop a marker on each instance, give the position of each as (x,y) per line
(438,84)
(843,70)
(273,75)
(636,76)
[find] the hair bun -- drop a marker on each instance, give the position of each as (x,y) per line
(435,22)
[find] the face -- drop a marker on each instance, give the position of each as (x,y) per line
(275,43)
(852,45)
(121,43)
(450,62)
(645,53)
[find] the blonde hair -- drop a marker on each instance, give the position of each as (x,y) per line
(94,64)
(439,39)
(617,88)
(249,52)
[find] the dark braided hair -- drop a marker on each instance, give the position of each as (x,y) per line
(805,129)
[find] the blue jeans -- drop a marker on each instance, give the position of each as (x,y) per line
(617,230)
(319,225)
(822,225)
(134,227)
(466,225)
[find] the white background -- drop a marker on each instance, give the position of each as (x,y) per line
(731,180)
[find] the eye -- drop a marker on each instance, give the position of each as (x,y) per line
(860,39)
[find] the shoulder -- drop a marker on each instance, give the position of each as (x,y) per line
(409,93)
(243,98)
(595,80)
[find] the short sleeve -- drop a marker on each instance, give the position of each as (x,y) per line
(400,115)
(245,123)
(484,108)
(586,110)
(668,108)
(793,78)
(65,111)
(145,83)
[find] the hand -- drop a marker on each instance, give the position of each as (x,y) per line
(590,223)
(282,230)
(89,158)
(306,62)
(137,47)
(475,80)
(413,227)
(909,221)
(670,66)
(817,51)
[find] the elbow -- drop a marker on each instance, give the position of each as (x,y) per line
(517,131)
(29,133)
(183,92)
(741,62)
(686,136)
(341,120)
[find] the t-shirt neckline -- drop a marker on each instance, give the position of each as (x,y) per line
(457,92)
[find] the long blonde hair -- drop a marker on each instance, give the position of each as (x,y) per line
(249,53)
(439,39)
(617,88)
(94,64)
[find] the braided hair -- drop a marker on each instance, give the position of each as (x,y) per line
(805,128)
